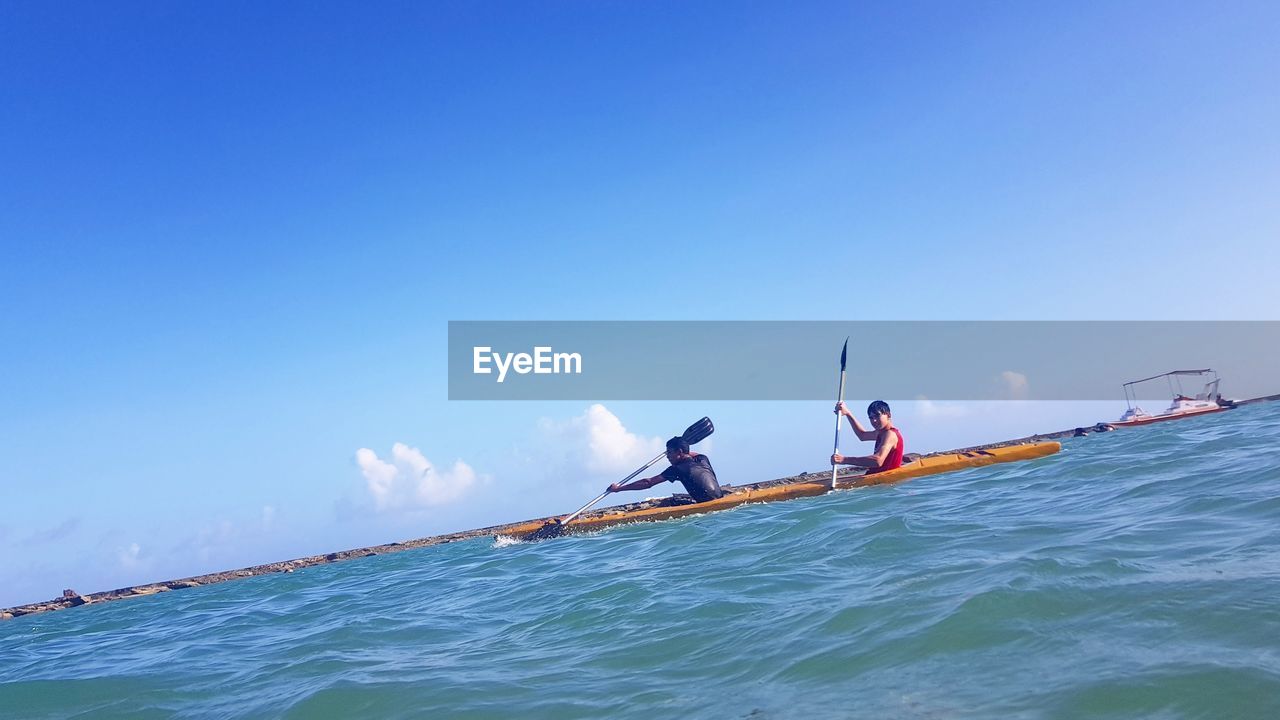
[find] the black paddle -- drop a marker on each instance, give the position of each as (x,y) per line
(695,433)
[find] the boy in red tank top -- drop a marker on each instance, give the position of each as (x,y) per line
(889,445)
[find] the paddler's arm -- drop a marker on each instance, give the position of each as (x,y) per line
(641,484)
(870,462)
(862,433)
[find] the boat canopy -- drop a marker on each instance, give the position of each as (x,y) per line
(1209,392)
(1172,372)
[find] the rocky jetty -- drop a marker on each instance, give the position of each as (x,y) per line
(72,599)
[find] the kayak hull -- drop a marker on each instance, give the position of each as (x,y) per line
(735,496)
(1148,419)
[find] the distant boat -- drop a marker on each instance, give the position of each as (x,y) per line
(1208,400)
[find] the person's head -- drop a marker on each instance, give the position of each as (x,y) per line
(878,413)
(677,448)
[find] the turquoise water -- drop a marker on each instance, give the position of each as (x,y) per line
(1135,574)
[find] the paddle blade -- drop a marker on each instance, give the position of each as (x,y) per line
(698,431)
(551,529)
(844,354)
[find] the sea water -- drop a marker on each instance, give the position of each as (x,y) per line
(1134,574)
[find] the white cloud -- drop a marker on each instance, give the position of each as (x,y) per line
(597,442)
(130,557)
(929,409)
(1015,383)
(379,476)
(408,480)
(564,460)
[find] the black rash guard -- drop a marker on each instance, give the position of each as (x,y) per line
(697,476)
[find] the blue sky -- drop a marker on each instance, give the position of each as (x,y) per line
(231,236)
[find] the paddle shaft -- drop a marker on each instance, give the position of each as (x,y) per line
(579,511)
(836,449)
(844,357)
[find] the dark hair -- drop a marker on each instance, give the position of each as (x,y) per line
(678,444)
(878,407)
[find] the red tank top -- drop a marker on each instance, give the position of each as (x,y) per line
(894,460)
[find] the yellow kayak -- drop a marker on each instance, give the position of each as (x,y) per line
(770,492)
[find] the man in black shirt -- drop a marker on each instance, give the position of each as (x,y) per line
(689,468)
